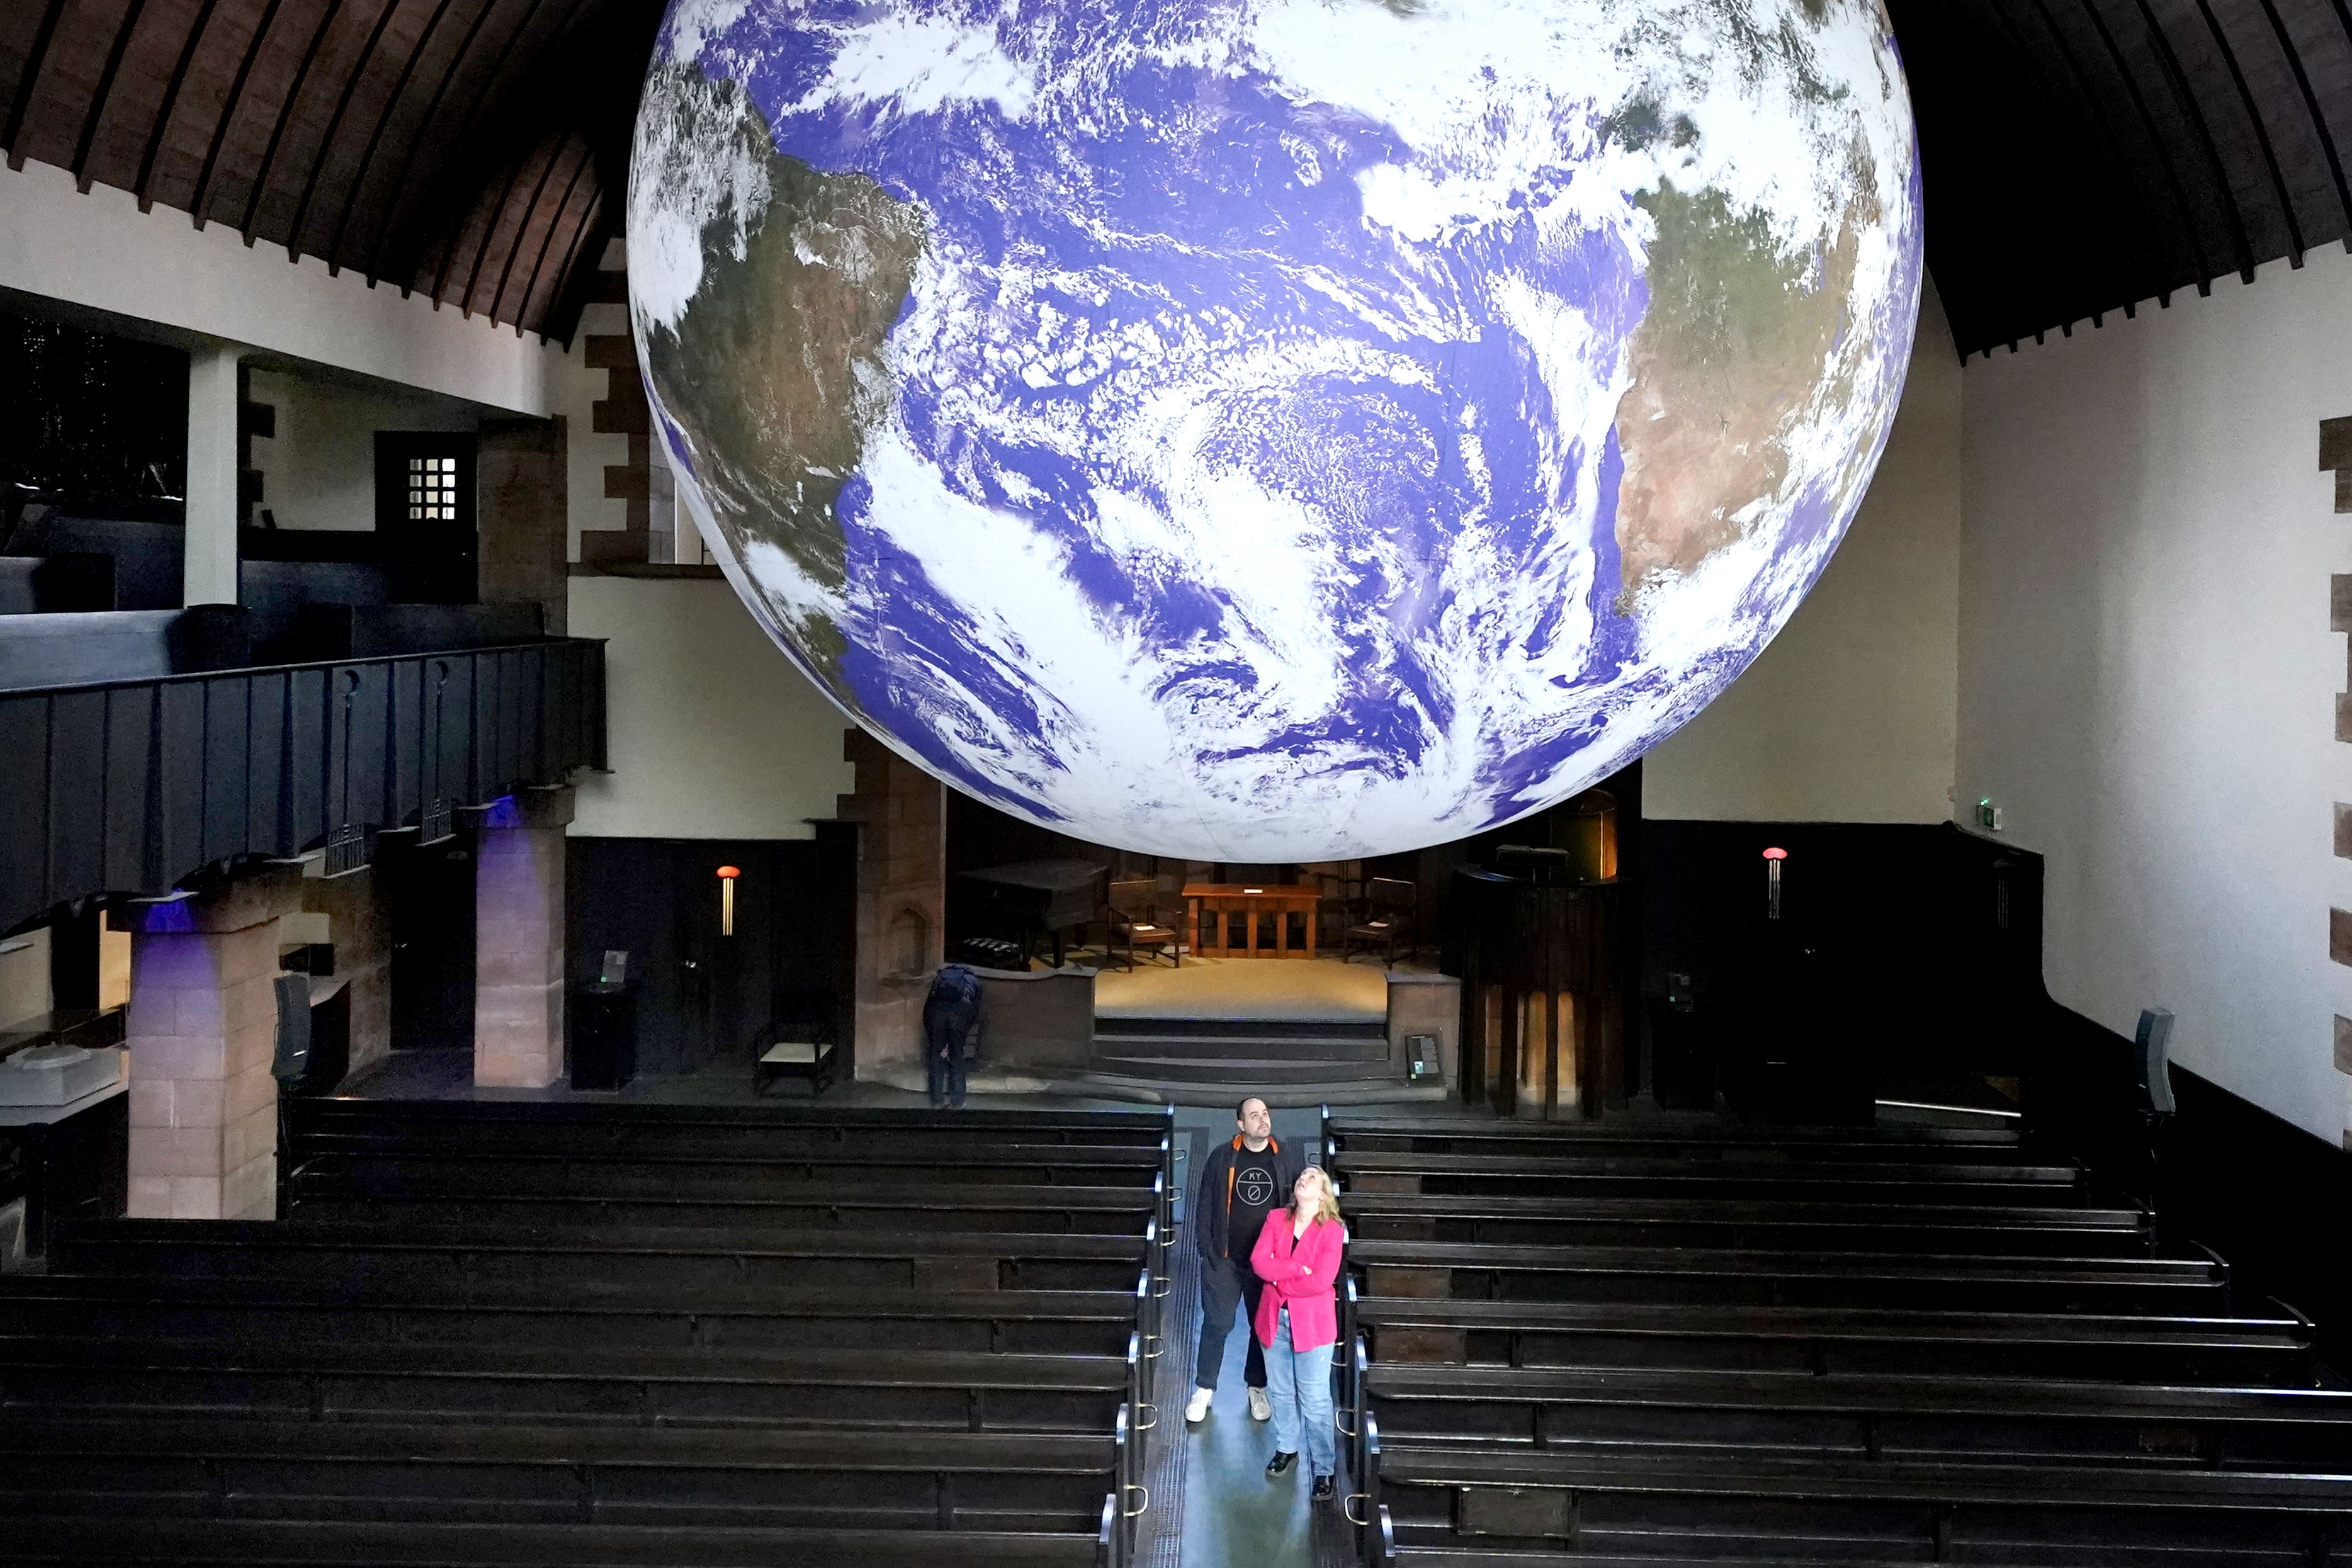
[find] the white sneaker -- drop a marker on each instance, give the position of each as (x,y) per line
(1198,1410)
(1261,1408)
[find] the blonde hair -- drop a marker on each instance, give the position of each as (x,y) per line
(1329,1207)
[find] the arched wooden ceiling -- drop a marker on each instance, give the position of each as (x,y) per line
(2081,156)
(2088,156)
(475,150)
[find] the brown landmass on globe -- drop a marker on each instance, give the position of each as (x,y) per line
(778,371)
(1731,350)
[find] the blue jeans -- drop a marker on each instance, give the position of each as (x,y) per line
(947,1078)
(1298,1382)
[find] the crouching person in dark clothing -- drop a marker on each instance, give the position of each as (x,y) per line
(1241,1183)
(952,1032)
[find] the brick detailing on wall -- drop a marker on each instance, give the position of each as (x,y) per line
(2335,455)
(901,813)
(202,1029)
(622,410)
(518,941)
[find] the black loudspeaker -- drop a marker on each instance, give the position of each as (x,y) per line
(293,1057)
(602,1024)
(2150,1062)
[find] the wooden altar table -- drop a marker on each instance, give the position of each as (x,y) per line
(1275,901)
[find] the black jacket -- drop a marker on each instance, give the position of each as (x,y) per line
(1212,1198)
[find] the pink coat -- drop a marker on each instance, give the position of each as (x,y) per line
(1302,1274)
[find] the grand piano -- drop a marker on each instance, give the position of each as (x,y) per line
(1030,902)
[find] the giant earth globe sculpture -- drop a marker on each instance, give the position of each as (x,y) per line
(1272,430)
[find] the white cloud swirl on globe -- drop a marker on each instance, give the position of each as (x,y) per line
(1274,429)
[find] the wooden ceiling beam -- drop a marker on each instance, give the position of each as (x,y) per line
(334,127)
(144,187)
(36,61)
(103,93)
(260,186)
(357,186)
(2262,132)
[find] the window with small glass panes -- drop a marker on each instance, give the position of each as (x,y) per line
(432,489)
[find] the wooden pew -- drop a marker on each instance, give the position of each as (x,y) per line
(411,1543)
(476,1169)
(651,1128)
(1042,1211)
(863,1137)
(424,1343)
(1740,1177)
(1695,1275)
(1871,1418)
(696,1476)
(1789,1224)
(298,1379)
(1367,1135)
(2213,1349)
(457,1258)
(1662,1501)
(1083,1322)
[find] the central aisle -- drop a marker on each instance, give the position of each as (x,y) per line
(1223,1512)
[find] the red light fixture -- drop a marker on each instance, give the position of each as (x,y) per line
(727,876)
(1772,859)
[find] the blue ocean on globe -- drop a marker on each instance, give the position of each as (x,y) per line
(1273,429)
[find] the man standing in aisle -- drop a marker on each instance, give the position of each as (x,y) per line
(1241,1182)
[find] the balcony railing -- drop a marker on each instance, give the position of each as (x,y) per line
(132,786)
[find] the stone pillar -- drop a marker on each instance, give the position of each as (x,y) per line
(208,572)
(202,1030)
(518,941)
(901,901)
(520,514)
(359,929)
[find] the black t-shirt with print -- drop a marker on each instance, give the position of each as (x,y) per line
(1254,1196)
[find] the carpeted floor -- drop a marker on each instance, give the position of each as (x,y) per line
(1317,990)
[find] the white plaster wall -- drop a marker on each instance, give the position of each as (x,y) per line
(24,975)
(97,250)
(319,470)
(710,733)
(1849,716)
(2148,678)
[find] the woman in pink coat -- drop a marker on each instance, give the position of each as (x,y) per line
(1298,1257)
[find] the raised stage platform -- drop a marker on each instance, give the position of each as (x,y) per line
(1316,990)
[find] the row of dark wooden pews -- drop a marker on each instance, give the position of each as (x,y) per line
(604,1333)
(1579,1345)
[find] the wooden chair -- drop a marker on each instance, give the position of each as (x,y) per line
(1136,922)
(801,1041)
(1390,905)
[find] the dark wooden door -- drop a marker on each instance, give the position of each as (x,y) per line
(425,514)
(429,906)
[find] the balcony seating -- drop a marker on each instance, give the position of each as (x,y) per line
(57,584)
(148,556)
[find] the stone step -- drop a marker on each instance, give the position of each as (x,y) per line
(1242,1070)
(1228,1093)
(1132,1024)
(1251,1048)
